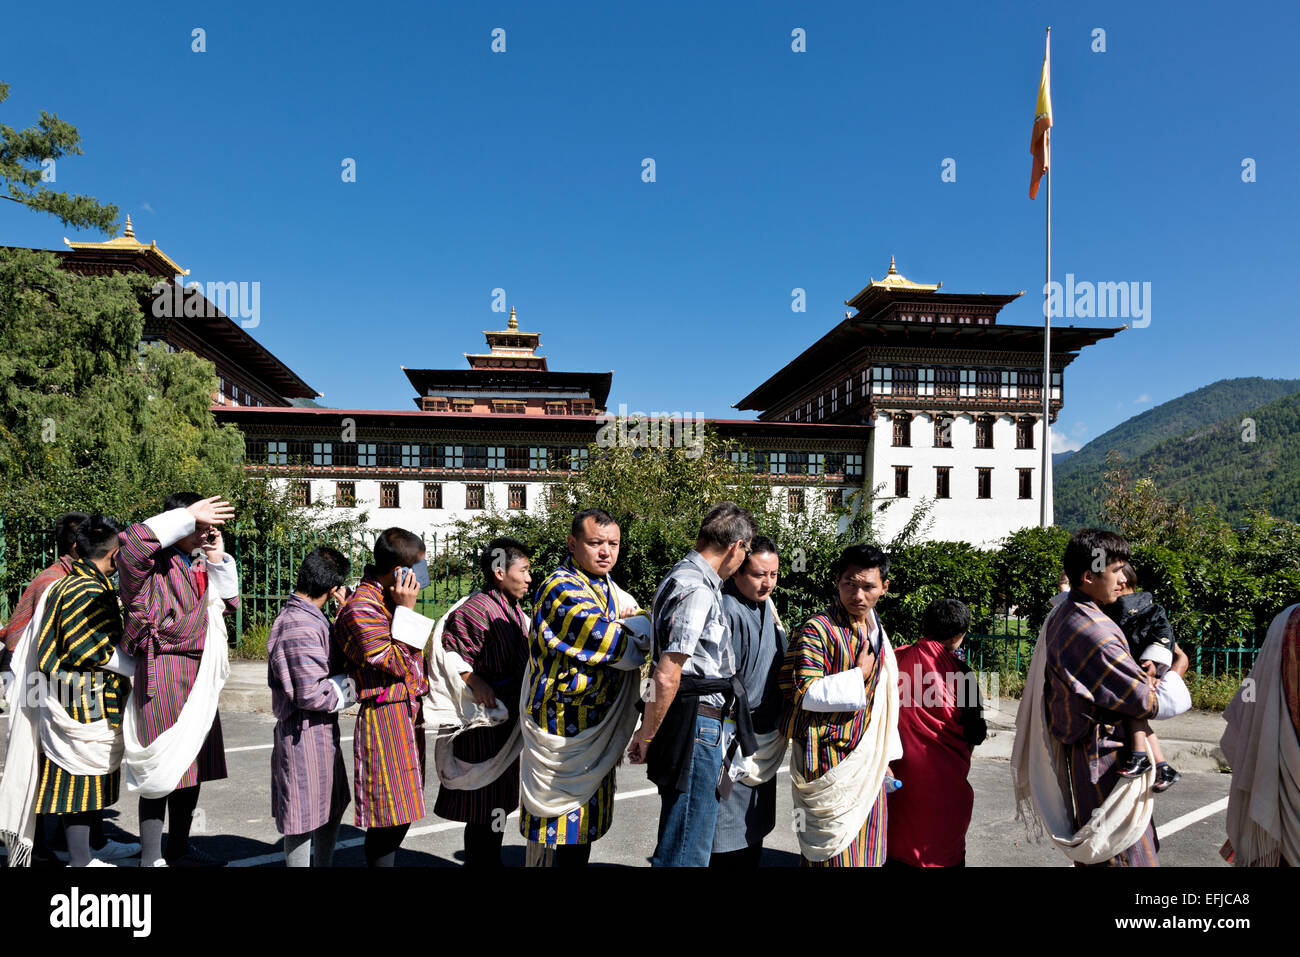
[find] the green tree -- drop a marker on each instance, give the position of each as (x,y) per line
(1027,569)
(660,495)
(22,153)
(91,421)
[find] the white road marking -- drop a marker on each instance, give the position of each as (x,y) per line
(276,858)
(1191,817)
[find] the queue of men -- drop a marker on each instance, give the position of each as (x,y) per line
(534,712)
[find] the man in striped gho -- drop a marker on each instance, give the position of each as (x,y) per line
(381,637)
(485,640)
(841,682)
(84,691)
(589,639)
(309,783)
(177,583)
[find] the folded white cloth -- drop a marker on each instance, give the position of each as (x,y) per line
(836,805)
(90,749)
(411,628)
(557,774)
(152,771)
(1038,775)
(1261,747)
(450,710)
(23,751)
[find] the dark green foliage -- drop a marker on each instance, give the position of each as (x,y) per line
(1027,569)
(1195,444)
(21,155)
(921,573)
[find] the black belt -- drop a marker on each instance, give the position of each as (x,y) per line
(708,711)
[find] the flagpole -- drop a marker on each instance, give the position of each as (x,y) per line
(1043,518)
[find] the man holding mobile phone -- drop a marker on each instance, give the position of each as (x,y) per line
(382,639)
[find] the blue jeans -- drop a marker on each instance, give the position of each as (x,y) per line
(686,818)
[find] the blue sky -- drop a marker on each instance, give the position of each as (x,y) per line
(774,170)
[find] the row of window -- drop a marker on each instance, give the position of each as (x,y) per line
(799,463)
(902,437)
(237,396)
(418,455)
(438,403)
(943,482)
(515,457)
(345,496)
(944,319)
(942,383)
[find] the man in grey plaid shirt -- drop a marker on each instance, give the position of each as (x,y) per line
(694,688)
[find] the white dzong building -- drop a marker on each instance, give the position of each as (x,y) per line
(953,399)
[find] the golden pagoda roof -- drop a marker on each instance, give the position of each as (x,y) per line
(895,280)
(127,243)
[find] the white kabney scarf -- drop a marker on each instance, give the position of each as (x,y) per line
(450,710)
(1038,775)
(558,775)
(1264,754)
(152,771)
(38,722)
(761,766)
(836,805)
(23,751)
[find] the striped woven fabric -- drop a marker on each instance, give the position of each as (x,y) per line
(1291,667)
(309,783)
(491,634)
(30,598)
(82,625)
(166,626)
(388,742)
(868,848)
(827,645)
(571,684)
(1093,678)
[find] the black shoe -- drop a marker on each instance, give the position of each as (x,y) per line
(1166,777)
(1136,766)
(193,857)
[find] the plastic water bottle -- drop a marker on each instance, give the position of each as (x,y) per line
(892,785)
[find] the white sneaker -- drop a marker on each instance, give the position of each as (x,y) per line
(118,851)
(161,862)
(96,862)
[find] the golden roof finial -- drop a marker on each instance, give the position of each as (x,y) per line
(129,232)
(513,323)
(896,280)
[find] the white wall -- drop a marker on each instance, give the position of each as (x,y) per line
(964,516)
(411,515)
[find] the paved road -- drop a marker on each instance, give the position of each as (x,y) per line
(234,820)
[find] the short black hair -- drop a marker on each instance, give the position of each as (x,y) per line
(1130,575)
(601,516)
(944,619)
(397,548)
(725,524)
(503,549)
(1086,546)
(322,570)
(181,500)
(96,537)
(861,556)
(65,530)
(760,545)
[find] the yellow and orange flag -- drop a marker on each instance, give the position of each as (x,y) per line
(1038,144)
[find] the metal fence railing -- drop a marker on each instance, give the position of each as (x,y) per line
(268,569)
(1009,647)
